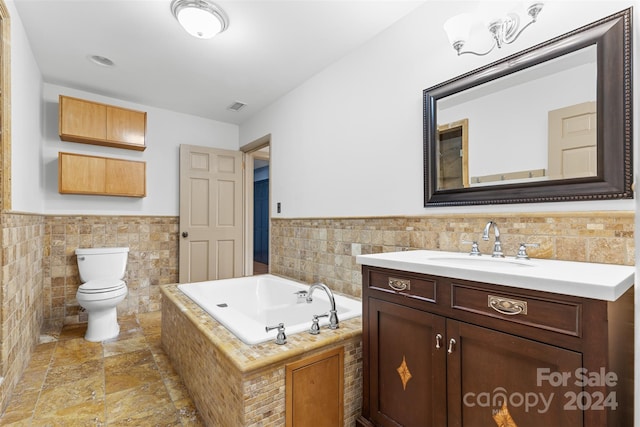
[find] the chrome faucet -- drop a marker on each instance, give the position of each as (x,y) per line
(497,247)
(333,314)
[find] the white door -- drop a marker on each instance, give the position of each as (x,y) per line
(211,214)
(573,141)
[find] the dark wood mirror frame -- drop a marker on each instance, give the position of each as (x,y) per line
(612,37)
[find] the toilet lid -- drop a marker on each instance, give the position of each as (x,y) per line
(101,285)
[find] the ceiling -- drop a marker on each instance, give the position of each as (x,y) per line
(270,47)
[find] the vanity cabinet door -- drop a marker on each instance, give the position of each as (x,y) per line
(487,367)
(407,366)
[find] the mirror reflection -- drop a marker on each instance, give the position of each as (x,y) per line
(537,124)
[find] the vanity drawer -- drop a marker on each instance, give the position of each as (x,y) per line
(420,288)
(547,313)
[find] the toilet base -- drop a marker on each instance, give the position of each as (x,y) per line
(102,325)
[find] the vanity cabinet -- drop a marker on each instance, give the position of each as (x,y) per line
(101,124)
(82,174)
(441,352)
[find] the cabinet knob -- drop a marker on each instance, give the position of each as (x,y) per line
(185,234)
(452,346)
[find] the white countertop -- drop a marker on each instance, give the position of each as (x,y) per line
(583,279)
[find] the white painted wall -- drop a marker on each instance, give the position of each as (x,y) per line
(26,123)
(166,130)
(349,142)
(520,132)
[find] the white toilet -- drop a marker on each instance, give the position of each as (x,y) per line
(101,272)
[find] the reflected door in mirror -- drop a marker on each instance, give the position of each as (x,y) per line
(453,165)
(573,143)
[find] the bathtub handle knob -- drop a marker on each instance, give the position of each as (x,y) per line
(315,323)
(281,338)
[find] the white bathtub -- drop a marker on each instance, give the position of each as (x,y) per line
(246,305)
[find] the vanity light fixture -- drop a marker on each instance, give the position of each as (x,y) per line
(200,18)
(504,30)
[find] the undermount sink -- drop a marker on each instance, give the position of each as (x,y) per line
(583,279)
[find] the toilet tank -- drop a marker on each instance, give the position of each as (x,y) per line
(101,263)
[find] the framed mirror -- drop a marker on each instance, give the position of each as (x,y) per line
(551,123)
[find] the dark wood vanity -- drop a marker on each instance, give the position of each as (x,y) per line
(440,351)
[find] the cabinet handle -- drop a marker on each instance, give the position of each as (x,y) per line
(438,340)
(452,346)
(399,284)
(510,307)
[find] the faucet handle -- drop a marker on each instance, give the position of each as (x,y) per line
(281,338)
(475,251)
(522,250)
(315,323)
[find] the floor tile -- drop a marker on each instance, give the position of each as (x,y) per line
(83,391)
(72,331)
(151,405)
(123,346)
(64,375)
(125,381)
(20,408)
(84,414)
(77,350)
(188,413)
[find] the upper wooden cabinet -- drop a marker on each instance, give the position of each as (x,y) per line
(81,174)
(100,124)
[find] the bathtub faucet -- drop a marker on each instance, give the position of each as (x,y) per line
(333,314)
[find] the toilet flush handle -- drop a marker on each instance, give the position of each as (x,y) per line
(80,258)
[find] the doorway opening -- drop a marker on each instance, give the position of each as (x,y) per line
(257,212)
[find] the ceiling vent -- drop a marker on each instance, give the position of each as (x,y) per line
(236,106)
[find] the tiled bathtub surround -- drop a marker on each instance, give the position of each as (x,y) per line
(153,260)
(234,384)
(324,249)
(22,312)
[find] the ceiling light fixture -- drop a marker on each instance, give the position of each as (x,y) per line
(200,18)
(503,30)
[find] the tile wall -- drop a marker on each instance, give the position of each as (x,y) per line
(40,278)
(153,260)
(23,249)
(324,249)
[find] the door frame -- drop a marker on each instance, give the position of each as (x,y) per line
(251,152)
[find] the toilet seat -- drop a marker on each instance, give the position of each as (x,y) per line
(100,286)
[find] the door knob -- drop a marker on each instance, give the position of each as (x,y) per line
(185,234)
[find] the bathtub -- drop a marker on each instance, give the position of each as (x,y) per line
(246,305)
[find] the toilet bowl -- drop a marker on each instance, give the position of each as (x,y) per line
(101,271)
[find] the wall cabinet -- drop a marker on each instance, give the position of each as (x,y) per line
(438,354)
(315,390)
(100,124)
(81,174)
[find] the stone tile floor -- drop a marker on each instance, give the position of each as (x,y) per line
(125,381)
